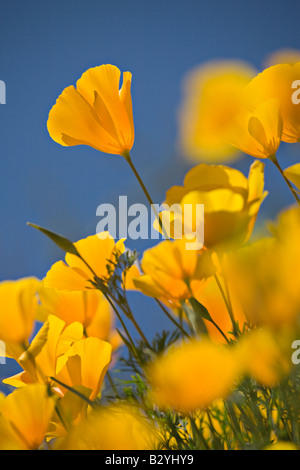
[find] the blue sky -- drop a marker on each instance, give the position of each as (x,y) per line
(46,46)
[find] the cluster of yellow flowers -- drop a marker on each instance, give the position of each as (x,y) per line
(235,304)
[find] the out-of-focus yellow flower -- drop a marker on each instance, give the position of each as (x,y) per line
(263,357)
(89,307)
(193,375)
(278,82)
(282,445)
(172,273)
(117,427)
(17,309)
(96,250)
(212,97)
(293,174)
(96,112)
(282,56)
(231,202)
(24,418)
(210,296)
(265,275)
(258,133)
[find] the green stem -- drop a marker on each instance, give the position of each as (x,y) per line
(122,323)
(220,331)
(127,157)
(294,193)
(227,303)
(73,390)
(128,312)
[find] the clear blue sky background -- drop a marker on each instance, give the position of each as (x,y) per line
(47,45)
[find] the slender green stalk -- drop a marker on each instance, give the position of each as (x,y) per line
(73,390)
(127,157)
(294,193)
(227,303)
(220,331)
(128,312)
(122,323)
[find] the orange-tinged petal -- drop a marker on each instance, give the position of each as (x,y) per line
(125,95)
(100,86)
(85,363)
(97,250)
(73,121)
(259,133)
(61,276)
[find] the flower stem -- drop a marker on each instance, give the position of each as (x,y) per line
(73,390)
(275,161)
(227,303)
(127,157)
(122,323)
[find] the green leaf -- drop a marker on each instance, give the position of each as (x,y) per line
(61,242)
(199,309)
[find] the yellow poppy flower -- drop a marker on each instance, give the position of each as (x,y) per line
(115,427)
(231,202)
(24,418)
(96,250)
(258,133)
(212,97)
(172,273)
(278,82)
(96,112)
(193,375)
(17,309)
(89,307)
(40,361)
(61,352)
